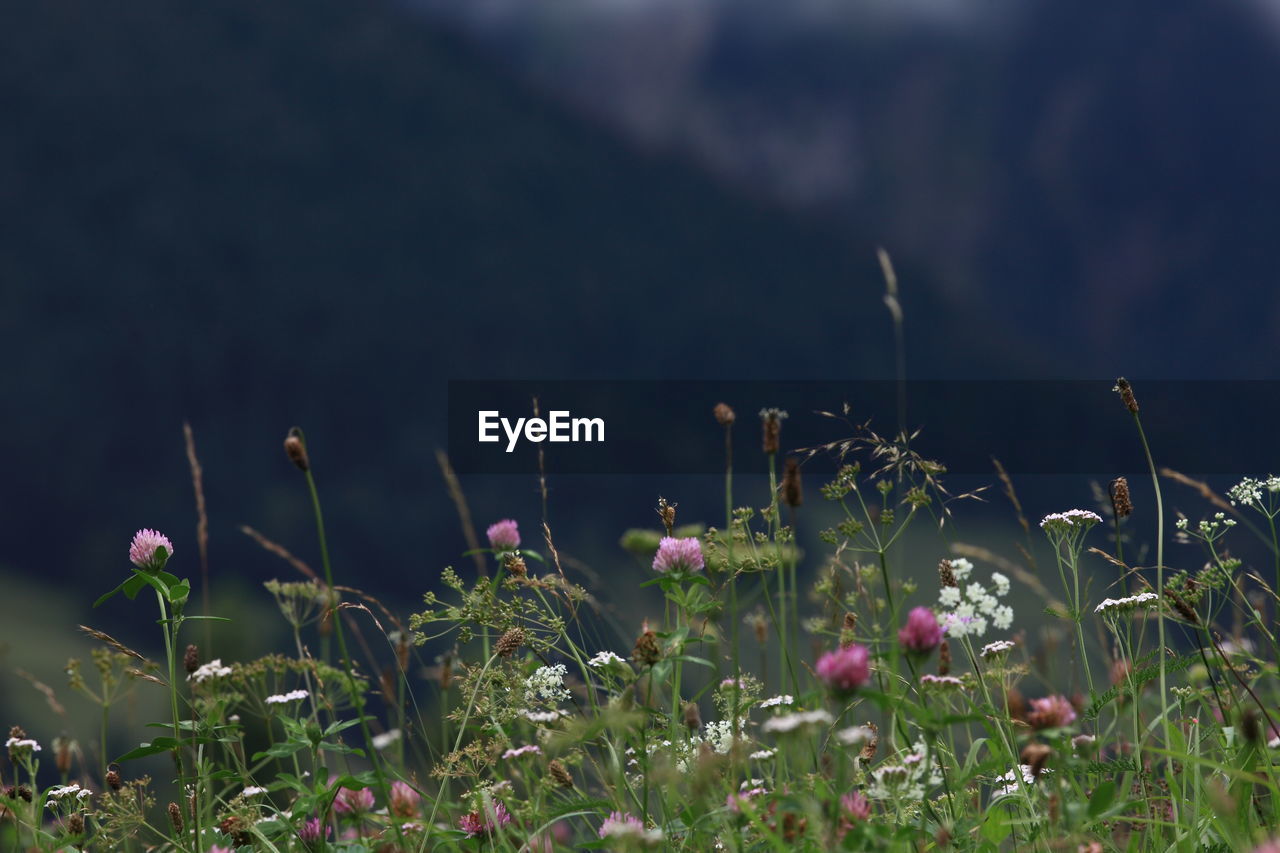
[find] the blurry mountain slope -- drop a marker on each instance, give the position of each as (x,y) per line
(252,214)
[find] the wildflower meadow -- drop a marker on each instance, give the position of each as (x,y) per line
(771,699)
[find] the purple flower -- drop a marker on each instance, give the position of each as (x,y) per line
(855,806)
(678,555)
(311,832)
(846,669)
(480,823)
(142,551)
(922,633)
(1051,712)
(353,802)
(504,535)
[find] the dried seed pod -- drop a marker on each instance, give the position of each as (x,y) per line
(560,773)
(296,450)
(1121,503)
(175,817)
(1126,395)
(191,660)
(511,640)
(792,493)
(724,415)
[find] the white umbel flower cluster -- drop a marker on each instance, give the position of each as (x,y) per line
(603,659)
(1124,605)
(1249,492)
(787,723)
(286,698)
(212,669)
(546,685)
(969,613)
(907,780)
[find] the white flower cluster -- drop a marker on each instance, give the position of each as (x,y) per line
(385,739)
(1069,520)
(999,647)
(252,791)
(787,723)
(546,685)
(544,716)
(857,736)
(1249,491)
(1124,605)
(1009,782)
(907,780)
(527,749)
(775,701)
(971,613)
(1207,529)
(720,734)
(763,754)
(286,698)
(72,790)
(941,682)
(18,745)
(604,659)
(212,669)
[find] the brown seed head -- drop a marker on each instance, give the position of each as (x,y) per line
(646,651)
(62,754)
(175,817)
(946,575)
(560,773)
(515,564)
(869,748)
(792,493)
(667,512)
(692,716)
(944,658)
(771,423)
(1034,755)
(512,639)
(75,824)
(1121,503)
(724,415)
(1126,395)
(191,660)
(114,781)
(296,450)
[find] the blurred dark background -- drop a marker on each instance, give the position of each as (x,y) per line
(251,215)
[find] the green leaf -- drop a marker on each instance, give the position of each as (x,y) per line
(995,828)
(1103,796)
(157,746)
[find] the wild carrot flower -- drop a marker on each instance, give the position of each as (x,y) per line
(922,633)
(1110,606)
(353,802)
(286,698)
(546,684)
(504,535)
(404,800)
(678,555)
(855,736)
(605,659)
(846,669)
(941,682)
(487,822)
(210,670)
(527,749)
(775,701)
(787,723)
(1051,712)
(143,550)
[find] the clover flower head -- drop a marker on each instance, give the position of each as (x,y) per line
(404,800)
(845,669)
(922,633)
(487,822)
(625,827)
(353,802)
(1051,712)
(678,555)
(144,549)
(504,535)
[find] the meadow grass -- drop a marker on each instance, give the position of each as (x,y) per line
(776,700)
